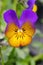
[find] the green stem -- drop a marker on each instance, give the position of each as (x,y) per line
(32,62)
(0,55)
(0,27)
(39,33)
(2,61)
(15,4)
(38,57)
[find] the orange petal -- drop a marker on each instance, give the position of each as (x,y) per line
(29,30)
(26,40)
(14,42)
(12,26)
(11,30)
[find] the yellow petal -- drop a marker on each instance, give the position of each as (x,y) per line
(26,40)
(29,30)
(11,30)
(20,37)
(35,8)
(12,26)
(14,42)
(9,34)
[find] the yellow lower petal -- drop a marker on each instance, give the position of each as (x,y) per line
(26,40)
(20,41)
(14,42)
(19,37)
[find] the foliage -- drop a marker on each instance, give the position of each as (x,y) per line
(19,56)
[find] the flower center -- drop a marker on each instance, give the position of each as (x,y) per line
(20,31)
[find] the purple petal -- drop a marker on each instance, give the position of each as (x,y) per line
(31,3)
(28,16)
(10,17)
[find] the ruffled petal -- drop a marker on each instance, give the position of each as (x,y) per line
(11,17)
(31,3)
(28,16)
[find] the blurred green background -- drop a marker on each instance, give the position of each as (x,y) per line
(29,55)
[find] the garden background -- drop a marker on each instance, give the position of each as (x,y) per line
(28,55)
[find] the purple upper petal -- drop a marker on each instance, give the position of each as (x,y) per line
(10,16)
(28,16)
(31,3)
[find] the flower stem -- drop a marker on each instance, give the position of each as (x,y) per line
(38,57)
(1,57)
(15,4)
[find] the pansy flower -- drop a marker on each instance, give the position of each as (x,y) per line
(20,31)
(32,5)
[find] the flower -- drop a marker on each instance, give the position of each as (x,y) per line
(32,5)
(20,31)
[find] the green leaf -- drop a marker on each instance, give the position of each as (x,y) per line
(19,9)
(32,62)
(22,53)
(21,63)
(6,52)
